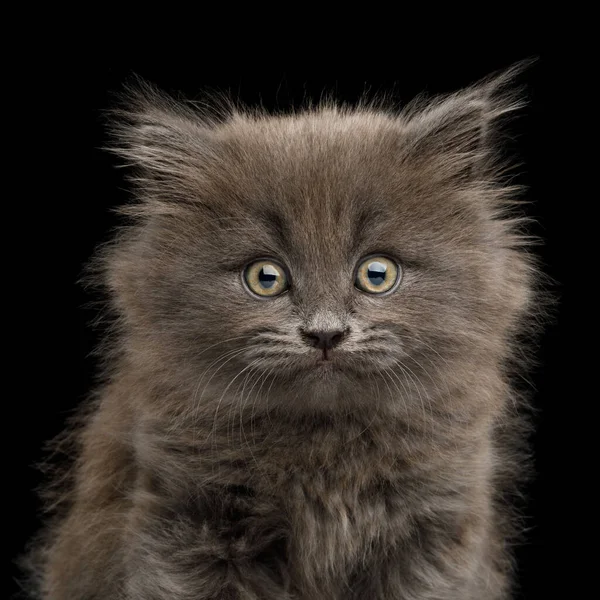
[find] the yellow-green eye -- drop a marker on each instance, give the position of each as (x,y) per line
(266,278)
(377,275)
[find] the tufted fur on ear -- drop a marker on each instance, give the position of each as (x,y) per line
(168,144)
(453,136)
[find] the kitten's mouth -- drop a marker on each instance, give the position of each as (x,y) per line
(324,364)
(324,367)
(326,359)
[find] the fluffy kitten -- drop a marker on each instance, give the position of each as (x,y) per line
(308,386)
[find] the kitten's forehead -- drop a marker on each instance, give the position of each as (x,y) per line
(324,144)
(317,177)
(327,187)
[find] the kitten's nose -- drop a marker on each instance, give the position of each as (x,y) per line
(323,339)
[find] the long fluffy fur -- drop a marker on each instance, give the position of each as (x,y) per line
(213,463)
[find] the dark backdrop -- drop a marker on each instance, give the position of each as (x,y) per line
(64,204)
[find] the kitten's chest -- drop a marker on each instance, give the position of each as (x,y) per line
(340,502)
(332,525)
(326,498)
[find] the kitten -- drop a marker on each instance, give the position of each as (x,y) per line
(308,392)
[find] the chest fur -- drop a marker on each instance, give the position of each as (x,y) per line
(339,509)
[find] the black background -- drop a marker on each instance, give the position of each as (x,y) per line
(65,187)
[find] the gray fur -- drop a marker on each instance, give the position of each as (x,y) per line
(216,462)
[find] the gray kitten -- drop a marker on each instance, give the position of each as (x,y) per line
(307,392)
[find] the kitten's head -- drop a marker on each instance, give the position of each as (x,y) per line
(333,259)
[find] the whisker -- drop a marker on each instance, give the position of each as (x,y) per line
(244,383)
(265,378)
(440,392)
(237,337)
(229,356)
(214,428)
(402,397)
(415,381)
(267,412)
(242,404)
(230,353)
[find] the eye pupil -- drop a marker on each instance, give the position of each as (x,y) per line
(268,276)
(376,272)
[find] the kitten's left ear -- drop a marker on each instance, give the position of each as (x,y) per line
(453,136)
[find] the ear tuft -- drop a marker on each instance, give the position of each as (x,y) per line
(168,143)
(454,134)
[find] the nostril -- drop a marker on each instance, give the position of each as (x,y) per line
(314,340)
(323,339)
(336,338)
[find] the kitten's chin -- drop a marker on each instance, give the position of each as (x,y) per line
(327,380)
(331,391)
(324,370)
(317,384)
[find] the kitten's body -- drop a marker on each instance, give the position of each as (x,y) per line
(220,460)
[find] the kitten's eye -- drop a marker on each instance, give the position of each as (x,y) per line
(266,278)
(377,275)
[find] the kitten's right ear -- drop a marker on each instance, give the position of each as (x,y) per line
(168,144)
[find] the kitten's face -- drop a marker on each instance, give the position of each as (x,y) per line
(302,203)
